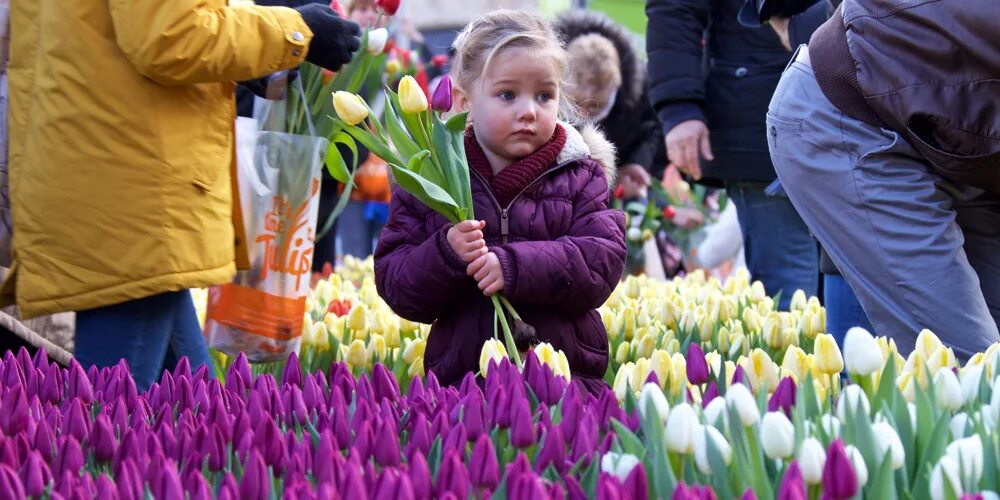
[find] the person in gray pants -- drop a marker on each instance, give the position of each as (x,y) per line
(889,148)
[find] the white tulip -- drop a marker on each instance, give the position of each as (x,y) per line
(958,425)
(619,464)
(862,355)
(376,40)
(949,392)
(970,380)
(968,454)
(945,470)
(995,399)
(777,435)
(831,425)
(888,441)
(989,495)
(858,462)
(852,397)
(912,410)
(811,458)
(681,427)
(701,437)
(716,413)
(739,397)
(987,417)
(653,393)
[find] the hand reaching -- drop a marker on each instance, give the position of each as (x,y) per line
(466,239)
(684,142)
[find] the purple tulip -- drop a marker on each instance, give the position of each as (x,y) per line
(783,397)
(524,486)
(323,468)
(420,476)
(456,438)
(609,488)
(35,475)
(453,476)
(102,439)
(748,495)
(553,451)
(419,435)
(684,492)
(128,479)
(697,366)
(433,386)
(573,489)
(184,396)
(14,418)
(297,412)
(105,488)
(52,388)
(441,99)
(44,442)
(473,415)
(387,451)
(636,485)
(386,386)
(256,481)
(499,407)
(711,393)
(168,486)
(522,429)
(69,458)
(839,478)
(292,374)
(484,470)
(739,376)
(229,490)
(416,389)
(586,438)
(793,486)
(352,484)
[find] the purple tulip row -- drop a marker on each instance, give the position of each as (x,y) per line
(75,433)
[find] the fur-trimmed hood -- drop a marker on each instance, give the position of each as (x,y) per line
(589,141)
(576,23)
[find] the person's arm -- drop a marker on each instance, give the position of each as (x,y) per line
(650,145)
(417,273)
(578,271)
(674,34)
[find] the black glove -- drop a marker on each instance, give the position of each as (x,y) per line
(260,86)
(334,38)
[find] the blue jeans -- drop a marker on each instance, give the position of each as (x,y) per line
(358,228)
(780,252)
(151,334)
(843,311)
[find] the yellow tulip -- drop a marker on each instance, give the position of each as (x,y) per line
(392,67)
(927,343)
(756,292)
(622,355)
(407,326)
(730,370)
(907,386)
(828,359)
(642,369)
(771,331)
(724,339)
(765,307)
(608,318)
(411,96)
(888,346)
(556,360)
(796,361)
(752,320)
(714,361)
(661,364)
(645,347)
(629,322)
(415,349)
(728,308)
(679,379)
(623,380)
(563,366)
(350,107)
(357,319)
(791,337)
(356,354)
(633,287)
(320,336)
(392,338)
(942,358)
(761,370)
(416,368)
(706,326)
(493,352)
(673,346)
(671,313)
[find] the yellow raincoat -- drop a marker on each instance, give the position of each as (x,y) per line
(121,144)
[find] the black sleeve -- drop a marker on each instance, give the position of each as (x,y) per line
(674,33)
(801,26)
(649,150)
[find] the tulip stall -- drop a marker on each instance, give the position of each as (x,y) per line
(712,393)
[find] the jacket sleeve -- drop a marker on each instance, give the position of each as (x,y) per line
(576,272)
(416,272)
(181,42)
(801,26)
(674,33)
(649,148)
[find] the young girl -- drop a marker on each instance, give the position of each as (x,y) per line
(546,239)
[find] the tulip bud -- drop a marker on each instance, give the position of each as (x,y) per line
(376,41)
(945,477)
(415,349)
(949,391)
(702,435)
(888,441)
(777,435)
(652,394)
(356,354)
(350,107)
(441,100)
(792,485)
(811,458)
(799,301)
(839,477)
(927,343)
(411,96)
(484,470)
(619,465)
(827,355)
(862,354)
(970,380)
(968,454)
(682,423)
(854,398)
(387,7)
(740,398)
(697,367)
(716,413)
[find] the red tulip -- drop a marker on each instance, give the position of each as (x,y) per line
(387,7)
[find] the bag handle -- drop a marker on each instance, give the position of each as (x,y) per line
(275,117)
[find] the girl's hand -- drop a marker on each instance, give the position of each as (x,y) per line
(466,239)
(487,271)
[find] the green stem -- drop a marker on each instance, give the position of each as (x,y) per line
(510,307)
(508,336)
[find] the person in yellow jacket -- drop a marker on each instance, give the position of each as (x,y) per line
(121,144)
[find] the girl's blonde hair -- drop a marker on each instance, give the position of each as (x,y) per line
(484,38)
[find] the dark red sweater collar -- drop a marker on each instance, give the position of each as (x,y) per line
(518,175)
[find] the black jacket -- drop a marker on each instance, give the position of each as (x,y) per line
(631,125)
(704,65)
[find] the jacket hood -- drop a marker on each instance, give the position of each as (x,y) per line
(589,142)
(576,23)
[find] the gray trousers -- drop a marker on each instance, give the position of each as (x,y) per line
(919,251)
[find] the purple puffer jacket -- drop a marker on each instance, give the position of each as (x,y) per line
(562,256)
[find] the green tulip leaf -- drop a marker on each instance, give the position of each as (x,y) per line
(335,163)
(427,192)
(456,124)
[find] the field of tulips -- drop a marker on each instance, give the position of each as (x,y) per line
(712,394)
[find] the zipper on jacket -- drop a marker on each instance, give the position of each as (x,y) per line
(505,212)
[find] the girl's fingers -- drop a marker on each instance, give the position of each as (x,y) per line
(473,235)
(475,266)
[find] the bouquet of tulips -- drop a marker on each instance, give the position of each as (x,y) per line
(427,157)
